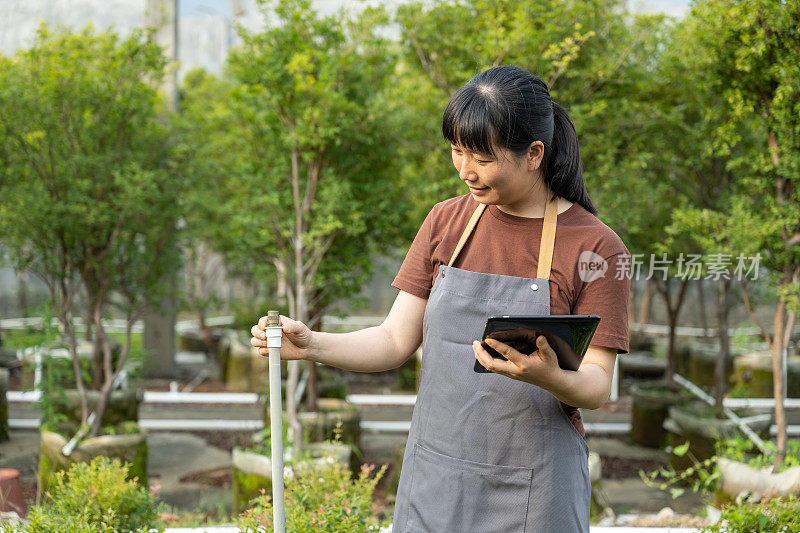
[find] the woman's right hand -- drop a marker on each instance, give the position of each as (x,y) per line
(295,341)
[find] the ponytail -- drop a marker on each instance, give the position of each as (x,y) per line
(509,107)
(562,167)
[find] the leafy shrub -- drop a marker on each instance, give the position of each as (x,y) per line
(320,500)
(706,473)
(95,497)
(743,449)
(778,515)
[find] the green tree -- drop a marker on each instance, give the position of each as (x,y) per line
(585,52)
(751,48)
(711,214)
(88,200)
(312,190)
(209,148)
(633,167)
(601,63)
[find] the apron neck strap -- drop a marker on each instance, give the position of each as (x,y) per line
(546,245)
(467,232)
(548,241)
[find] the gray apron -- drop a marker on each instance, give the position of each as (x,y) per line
(487,453)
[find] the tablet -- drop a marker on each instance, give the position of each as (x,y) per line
(568,335)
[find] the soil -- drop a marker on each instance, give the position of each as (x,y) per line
(28,492)
(15,380)
(217,477)
(623,467)
(225,440)
(382,502)
(622,404)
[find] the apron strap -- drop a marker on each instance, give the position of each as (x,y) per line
(546,245)
(467,232)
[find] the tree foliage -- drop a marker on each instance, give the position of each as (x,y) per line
(88,199)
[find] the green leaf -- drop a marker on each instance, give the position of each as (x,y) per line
(681,450)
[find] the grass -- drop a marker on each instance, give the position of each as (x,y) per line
(19,339)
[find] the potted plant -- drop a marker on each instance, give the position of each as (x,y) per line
(753,373)
(252,465)
(650,404)
(96,496)
(701,426)
(90,207)
(321,497)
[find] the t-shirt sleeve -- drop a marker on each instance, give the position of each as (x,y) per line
(607,297)
(416,273)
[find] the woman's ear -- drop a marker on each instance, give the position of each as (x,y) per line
(535,155)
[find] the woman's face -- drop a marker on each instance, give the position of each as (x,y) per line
(510,181)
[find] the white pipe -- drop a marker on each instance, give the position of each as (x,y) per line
(37,373)
(615,382)
(274,333)
(697,391)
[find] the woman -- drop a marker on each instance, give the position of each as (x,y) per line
(502,451)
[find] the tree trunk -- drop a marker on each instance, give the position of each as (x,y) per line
(701,300)
(672,323)
(777,381)
(22,292)
(673,310)
(87,334)
(111,374)
(66,319)
(632,295)
(783,323)
(311,386)
(647,297)
(95,297)
(724,352)
(282,290)
(300,311)
(105,390)
(201,293)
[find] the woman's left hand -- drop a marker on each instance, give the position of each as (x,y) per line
(539,368)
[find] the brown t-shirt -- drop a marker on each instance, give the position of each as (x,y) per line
(509,245)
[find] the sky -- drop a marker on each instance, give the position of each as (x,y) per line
(223,7)
(206,31)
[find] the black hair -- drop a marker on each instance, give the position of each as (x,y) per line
(508,106)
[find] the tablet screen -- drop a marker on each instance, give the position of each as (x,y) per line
(568,335)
